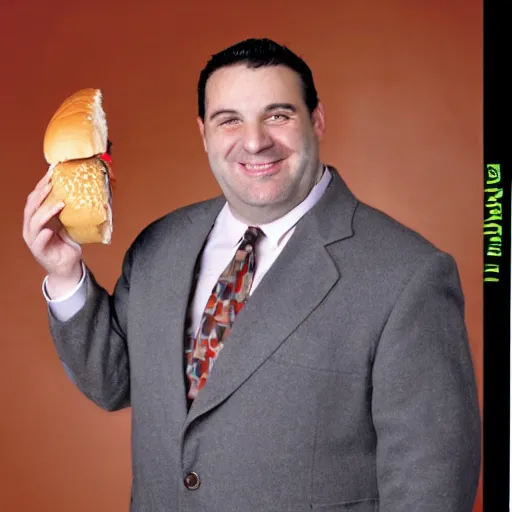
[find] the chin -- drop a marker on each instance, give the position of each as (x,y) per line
(262,200)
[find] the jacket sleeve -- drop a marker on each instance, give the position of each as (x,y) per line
(93,343)
(424,399)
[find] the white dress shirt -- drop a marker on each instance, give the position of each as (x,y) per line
(219,250)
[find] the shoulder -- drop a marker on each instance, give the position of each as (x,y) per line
(384,252)
(372,233)
(387,233)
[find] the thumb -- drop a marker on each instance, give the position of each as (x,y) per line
(63,234)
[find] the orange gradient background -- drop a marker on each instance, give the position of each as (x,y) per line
(402,85)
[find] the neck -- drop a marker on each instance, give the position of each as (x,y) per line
(257,216)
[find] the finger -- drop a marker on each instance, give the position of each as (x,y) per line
(41,241)
(43,187)
(40,219)
(46,178)
(64,235)
(34,201)
(54,223)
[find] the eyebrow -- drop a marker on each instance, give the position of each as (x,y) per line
(280,106)
(221,112)
(268,108)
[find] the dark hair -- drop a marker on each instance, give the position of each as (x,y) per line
(255,53)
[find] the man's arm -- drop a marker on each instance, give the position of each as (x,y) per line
(425,405)
(65,307)
(92,343)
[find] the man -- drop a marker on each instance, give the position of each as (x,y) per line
(328,369)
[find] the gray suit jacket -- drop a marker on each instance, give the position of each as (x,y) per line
(345,384)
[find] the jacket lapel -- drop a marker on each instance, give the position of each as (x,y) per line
(172,301)
(296,283)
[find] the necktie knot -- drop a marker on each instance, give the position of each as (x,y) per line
(250,237)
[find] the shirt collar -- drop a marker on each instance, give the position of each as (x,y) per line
(274,231)
(233,228)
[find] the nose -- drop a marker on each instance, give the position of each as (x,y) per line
(256,138)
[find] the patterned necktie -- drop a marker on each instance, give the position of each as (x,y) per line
(227,299)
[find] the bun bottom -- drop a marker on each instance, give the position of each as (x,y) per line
(84,187)
(90,234)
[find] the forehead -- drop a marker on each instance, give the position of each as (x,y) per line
(238,86)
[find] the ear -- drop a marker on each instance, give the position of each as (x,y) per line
(201,131)
(318,117)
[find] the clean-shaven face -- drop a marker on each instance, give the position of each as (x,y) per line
(262,142)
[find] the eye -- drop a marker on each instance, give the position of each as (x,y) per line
(229,122)
(279,117)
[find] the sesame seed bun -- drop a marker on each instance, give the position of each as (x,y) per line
(76,135)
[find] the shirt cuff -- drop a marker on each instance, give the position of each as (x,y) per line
(68,305)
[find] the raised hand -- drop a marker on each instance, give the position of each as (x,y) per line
(48,241)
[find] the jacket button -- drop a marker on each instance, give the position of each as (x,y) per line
(192,481)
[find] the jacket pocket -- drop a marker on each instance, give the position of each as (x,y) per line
(369,505)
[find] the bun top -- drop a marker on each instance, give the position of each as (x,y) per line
(78,129)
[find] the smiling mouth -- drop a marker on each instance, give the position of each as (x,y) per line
(259,167)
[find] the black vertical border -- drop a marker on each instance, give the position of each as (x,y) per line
(497,335)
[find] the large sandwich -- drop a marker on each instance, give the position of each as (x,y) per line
(78,151)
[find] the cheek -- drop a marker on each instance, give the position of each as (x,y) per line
(290,138)
(221,147)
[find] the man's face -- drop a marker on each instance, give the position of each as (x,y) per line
(261,140)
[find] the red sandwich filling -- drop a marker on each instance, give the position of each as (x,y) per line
(107,160)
